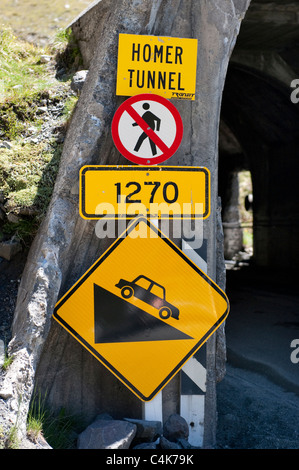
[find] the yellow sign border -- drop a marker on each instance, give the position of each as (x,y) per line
(102,359)
(174,76)
(152,169)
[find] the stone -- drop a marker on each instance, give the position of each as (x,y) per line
(6,393)
(9,249)
(107,434)
(13,218)
(146,445)
(42,109)
(45,59)
(175,428)
(5,145)
(147,430)
(104,416)
(78,80)
(166,444)
(40,443)
(184,444)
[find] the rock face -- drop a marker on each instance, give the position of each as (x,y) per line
(147,431)
(9,249)
(175,428)
(78,81)
(66,245)
(107,434)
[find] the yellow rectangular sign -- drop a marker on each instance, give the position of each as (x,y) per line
(165,66)
(165,192)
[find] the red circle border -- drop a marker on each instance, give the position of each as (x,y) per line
(174,146)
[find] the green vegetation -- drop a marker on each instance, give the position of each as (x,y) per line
(36,104)
(22,74)
(2,438)
(12,441)
(27,177)
(39,20)
(10,438)
(7,361)
(30,90)
(59,430)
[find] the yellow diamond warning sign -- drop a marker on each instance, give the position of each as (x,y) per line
(143,309)
(165,66)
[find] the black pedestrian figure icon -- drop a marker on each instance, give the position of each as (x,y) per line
(150,119)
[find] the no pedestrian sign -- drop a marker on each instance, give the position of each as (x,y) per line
(156,64)
(147,129)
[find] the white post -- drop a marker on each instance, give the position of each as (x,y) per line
(153,410)
(193,373)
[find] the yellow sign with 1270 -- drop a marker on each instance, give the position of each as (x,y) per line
(165,66)
(116,192)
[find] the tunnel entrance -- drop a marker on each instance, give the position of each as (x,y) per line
(258,168)
(259,131)
(235,190)
(263,121)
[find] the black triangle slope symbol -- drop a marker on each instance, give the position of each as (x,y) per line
(118,321)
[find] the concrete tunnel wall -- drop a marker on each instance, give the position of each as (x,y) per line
(259,112)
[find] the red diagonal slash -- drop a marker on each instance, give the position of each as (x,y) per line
(145,127)
(166,152)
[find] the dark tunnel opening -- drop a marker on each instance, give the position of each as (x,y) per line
(261,120)
(258,168)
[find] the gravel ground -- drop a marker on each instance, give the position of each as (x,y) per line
(257,407)
(254,413)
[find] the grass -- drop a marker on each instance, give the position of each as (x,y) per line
(28,168)
(36,417)
(22,74)
(7,361)
(28,171)
(40,19)
(27,174)
(57,429)
(9,440)
(27,177)
(2,438)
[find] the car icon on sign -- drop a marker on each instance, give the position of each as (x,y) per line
(151,292)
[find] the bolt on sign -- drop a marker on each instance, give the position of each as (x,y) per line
(143,309)
(162,65)
(121,192)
